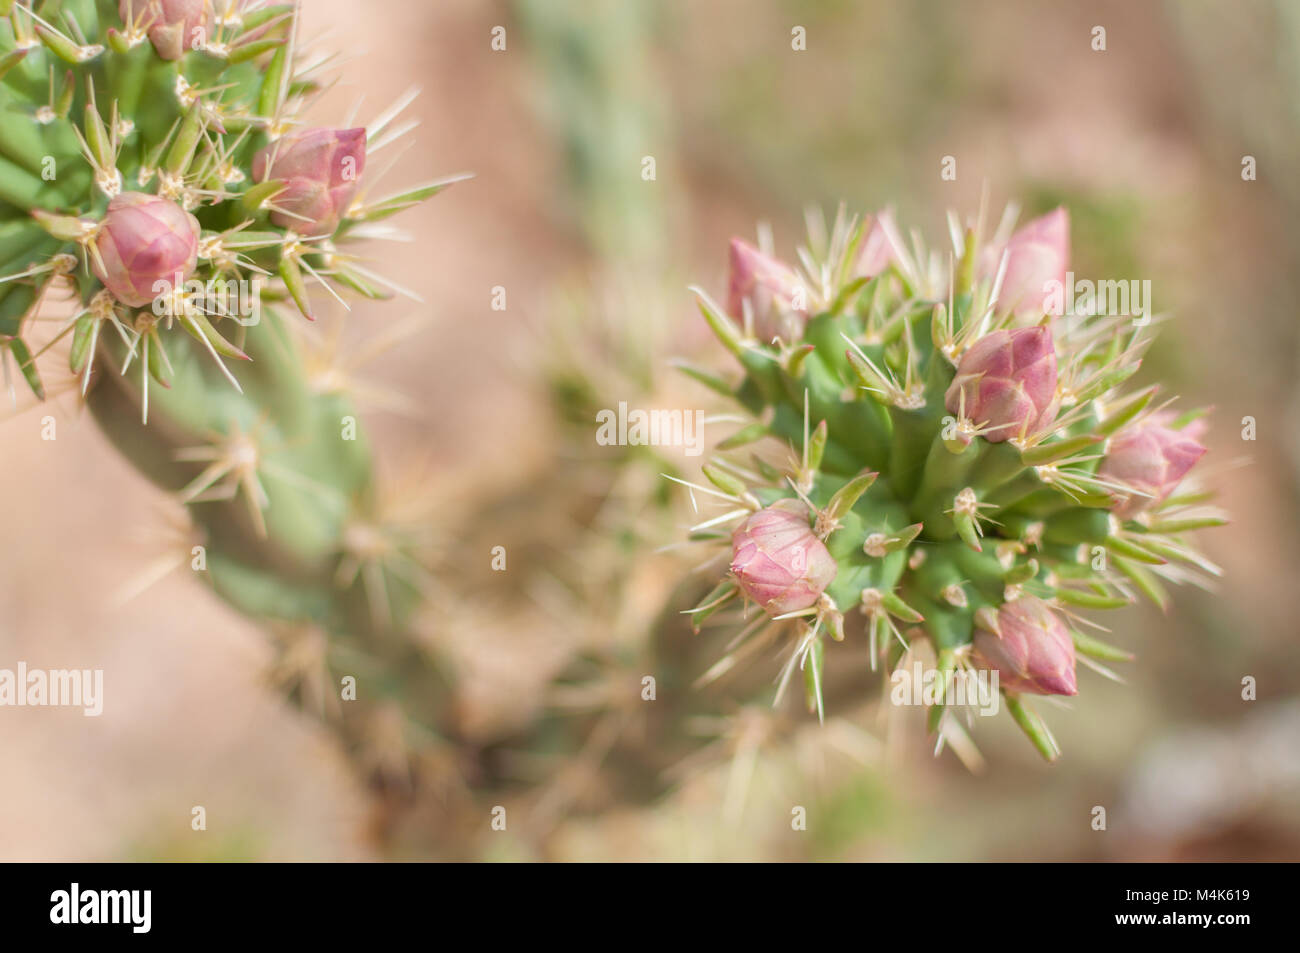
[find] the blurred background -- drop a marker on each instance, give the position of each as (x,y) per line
(1144,141)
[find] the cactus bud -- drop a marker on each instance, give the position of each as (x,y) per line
(1031,650)
(773,290)
(1037,254)
(321,169)
(778,561)
(877,250)
(171,23)
(1006,382)
(1151,458)
(145,246)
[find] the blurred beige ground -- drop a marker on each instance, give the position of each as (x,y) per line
(748,132)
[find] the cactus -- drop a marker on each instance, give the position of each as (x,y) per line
(153,164)
(973,486)
(962,465)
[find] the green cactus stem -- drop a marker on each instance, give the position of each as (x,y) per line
(118,128)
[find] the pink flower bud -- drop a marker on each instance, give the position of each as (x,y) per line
(877,250)
(321,169)
(171,23)
(1037,254)
(1007,382)
(778,561)
(145,247)
(772,289)
(1152,459)
(1032,651)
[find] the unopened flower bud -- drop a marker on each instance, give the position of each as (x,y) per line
(1031,649)
(1038,254)
(776,297)
(171,23)
(778,560)
(145,247)
(1152,459)
(1006,382)
(321,169)
(877,250)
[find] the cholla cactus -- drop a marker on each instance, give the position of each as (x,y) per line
(153,163)
(962,466)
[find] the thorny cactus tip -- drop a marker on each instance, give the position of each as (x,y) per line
(152,150)
(160,184)
(962,466)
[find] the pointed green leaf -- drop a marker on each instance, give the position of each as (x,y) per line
(721,325)
(360,284)
(1125,412)
(1020,574)
(27,366)
(1091,600)
(745,436)
(944,667)
(199,326)
(846,294)
(1182,420)
(160,369)
(59,45)
(255,197)
(386,207)
(812,678)
(1172,526)
(187,139)
(268,100)
(292,277)
(250,51)
(97,138)
(10,60)
(710,380)
(718,597)
(117,41)
(817,446)
(1125,547)
(1096,648)
(1046,453)
(848,495)
(1033,727)
(967,530)
(1144,580)
(798,357)
(256,18)
(724,481)
(82,337)
(899,609)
